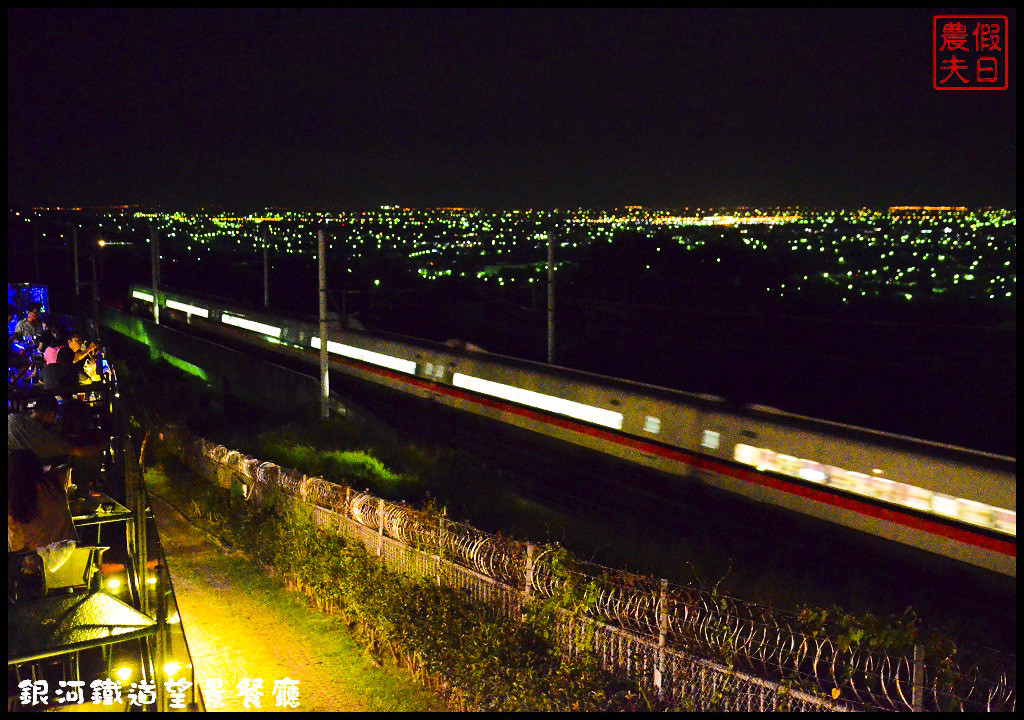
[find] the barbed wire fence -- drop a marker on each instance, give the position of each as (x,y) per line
(680,644)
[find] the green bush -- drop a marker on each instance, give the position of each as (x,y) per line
(490,662)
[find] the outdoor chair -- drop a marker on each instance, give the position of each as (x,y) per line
(77,572)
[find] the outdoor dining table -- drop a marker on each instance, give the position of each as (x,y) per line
(99,509)
(66,623)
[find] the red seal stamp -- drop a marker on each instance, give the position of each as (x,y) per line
(969,52)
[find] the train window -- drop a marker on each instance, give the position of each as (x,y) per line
(945,505)
(429,370)
(788,465)
(815,472)
(710,440)
(883,489)
(918,498)
(251,325)
(189,310)
(549,403)
(1005,520)
(976,513)
(747,455)
(847,480)
(652,424)
(366,356)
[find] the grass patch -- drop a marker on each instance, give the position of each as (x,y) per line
(383,689)
(380,688)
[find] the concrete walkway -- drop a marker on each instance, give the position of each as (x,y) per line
(242,624)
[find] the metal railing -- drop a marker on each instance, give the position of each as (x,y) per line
(678,642)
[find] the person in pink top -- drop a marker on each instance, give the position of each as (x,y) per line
(60,340)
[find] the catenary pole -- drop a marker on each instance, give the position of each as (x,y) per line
(154,259)
(325,382)
(266,271)
(551,297)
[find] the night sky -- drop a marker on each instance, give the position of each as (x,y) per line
(524,108)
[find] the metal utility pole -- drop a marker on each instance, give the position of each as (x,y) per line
(74,255)
(154,258)
(551,298)
(325,381)
(266,273)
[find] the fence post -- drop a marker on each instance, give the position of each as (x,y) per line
(380,526)
(531,556)
(917,696)
(659,670)
(344,516)
(440,546)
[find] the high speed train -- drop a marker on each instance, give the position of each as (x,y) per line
(946,500)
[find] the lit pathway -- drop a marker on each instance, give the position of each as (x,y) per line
(239,623)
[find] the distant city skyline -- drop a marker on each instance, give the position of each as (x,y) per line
(496,108)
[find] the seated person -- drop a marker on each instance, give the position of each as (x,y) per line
(59,376)
(19,356)
(85,354)
(57,341)
(30,326)
(19,364)
(81,347)
(38,517)
(67,368)
(38,431)
(46,339)
(35,432)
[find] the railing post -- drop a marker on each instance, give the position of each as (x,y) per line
(440,546)
(917,696)
(659,670)
(531,556)
(380,526)
(347,514)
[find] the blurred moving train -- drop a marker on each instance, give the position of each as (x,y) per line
(946,500)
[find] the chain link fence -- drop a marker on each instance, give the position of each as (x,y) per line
(681,644)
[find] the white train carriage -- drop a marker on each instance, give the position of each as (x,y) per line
(950,501)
